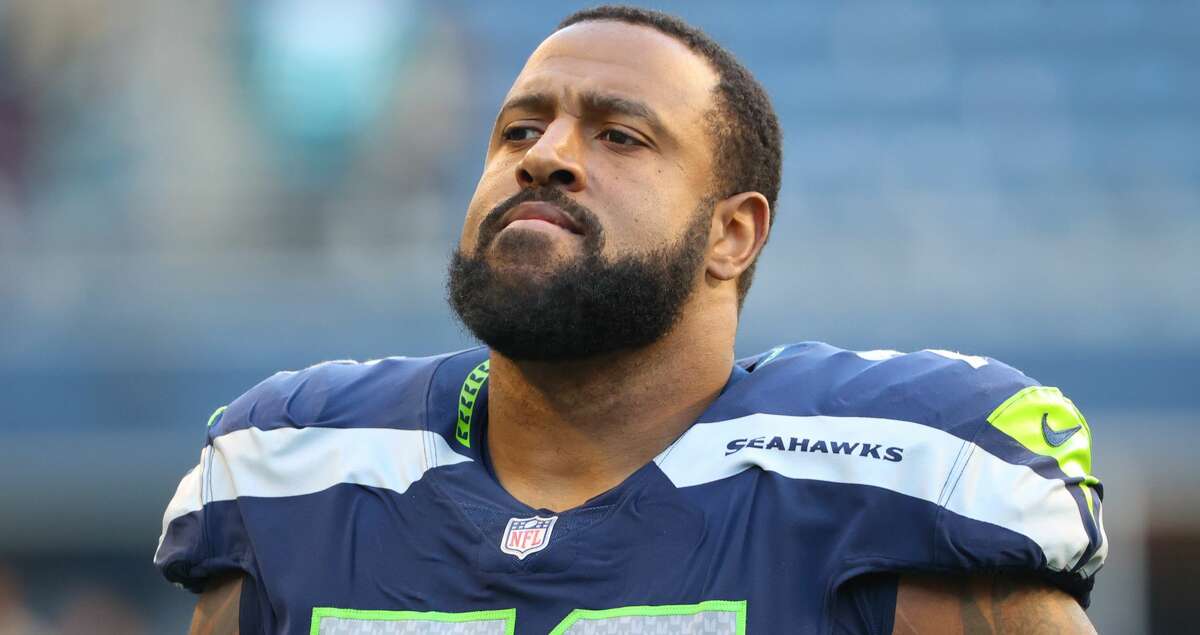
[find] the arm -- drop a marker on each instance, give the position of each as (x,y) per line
(985,604)
(218,608)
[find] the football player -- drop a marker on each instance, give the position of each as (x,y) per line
(603,464)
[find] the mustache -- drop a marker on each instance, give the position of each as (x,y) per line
(580,215)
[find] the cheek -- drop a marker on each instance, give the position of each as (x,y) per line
(643,227)
(628,202)
(489,192)
(470,228)
(469,235)
(654,208)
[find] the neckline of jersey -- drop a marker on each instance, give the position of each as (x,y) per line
(609,497)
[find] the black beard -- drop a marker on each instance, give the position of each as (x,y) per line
(588,307)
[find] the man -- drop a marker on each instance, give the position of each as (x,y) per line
(604,465)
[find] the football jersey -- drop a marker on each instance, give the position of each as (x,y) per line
(358,498)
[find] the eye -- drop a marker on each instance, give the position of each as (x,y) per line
(620,138)
(520,133)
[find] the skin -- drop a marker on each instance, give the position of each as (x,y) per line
(217,611)
(614,115)
(561,433)
(949,605)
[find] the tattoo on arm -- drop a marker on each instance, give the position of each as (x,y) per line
(986,605)
(218,609)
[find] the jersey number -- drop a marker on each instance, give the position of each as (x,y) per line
(715,617)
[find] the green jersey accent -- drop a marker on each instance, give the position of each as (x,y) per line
(1047,423)
(334,621)
(466,402)
(720,617)
(216,415)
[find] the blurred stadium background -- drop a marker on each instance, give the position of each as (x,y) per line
(196,194)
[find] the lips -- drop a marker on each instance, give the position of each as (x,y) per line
(540,210)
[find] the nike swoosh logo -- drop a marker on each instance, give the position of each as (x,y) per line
(1056,437)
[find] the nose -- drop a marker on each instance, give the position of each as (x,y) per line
(553,160)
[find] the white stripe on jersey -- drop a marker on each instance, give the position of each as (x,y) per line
(297,461)
(937,467)
(1097,560)
(186,499)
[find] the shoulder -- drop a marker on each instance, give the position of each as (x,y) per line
(1005,460)
(336,422)
(391,392)
(299,432)
(943,389)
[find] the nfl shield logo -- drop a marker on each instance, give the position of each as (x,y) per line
(524,536)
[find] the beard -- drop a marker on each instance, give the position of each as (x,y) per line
(586,307)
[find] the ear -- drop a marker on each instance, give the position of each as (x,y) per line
(739,230)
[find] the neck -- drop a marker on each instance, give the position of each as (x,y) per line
(564,432)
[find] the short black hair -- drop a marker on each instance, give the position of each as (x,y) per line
(749,153)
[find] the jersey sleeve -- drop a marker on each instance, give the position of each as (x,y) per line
(204,531)
(202,537)
(866,605)
(287,437)
(1022,497)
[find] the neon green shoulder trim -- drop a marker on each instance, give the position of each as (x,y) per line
(1047,423)
(509,616)
(466,401)
(216,415)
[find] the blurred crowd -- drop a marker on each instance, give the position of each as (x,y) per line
(91,610)
(148,125)
(140,127)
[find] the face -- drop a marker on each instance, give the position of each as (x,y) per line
(588,228)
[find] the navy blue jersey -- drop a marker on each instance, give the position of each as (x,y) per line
(358,498)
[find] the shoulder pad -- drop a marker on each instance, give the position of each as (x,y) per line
(942,389)
(383,393)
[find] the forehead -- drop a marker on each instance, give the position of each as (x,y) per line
(626,60)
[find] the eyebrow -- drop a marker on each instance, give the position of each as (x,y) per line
(592,103)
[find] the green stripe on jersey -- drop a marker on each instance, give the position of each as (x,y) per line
(335,621)
(719,617)
(466,402)
(216,415)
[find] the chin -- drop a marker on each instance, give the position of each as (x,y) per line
(528,275)
(529,249)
